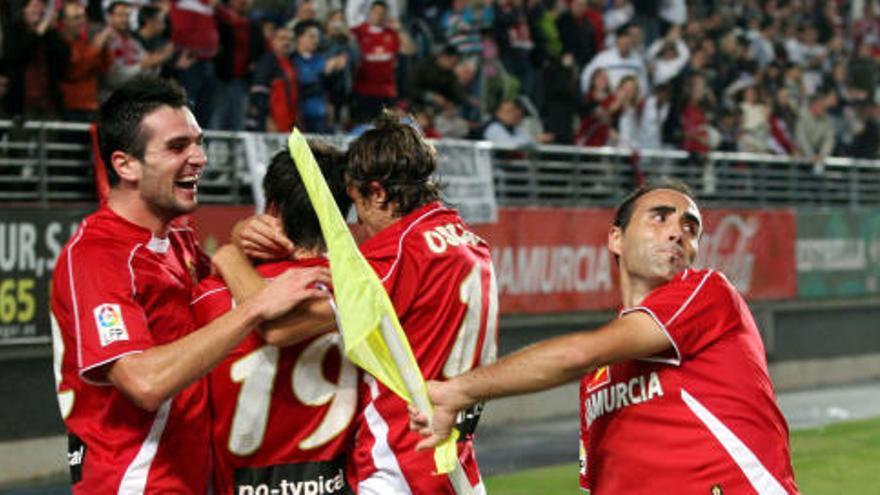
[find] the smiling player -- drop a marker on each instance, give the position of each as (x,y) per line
(129,360)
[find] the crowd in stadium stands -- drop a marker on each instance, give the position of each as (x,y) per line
(791,77)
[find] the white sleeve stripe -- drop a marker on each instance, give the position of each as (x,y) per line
(690,298)
(135,479)
(131,268)
(677,360)
(82,371)
(209,293)
(76,325)
(759,477)
(403,237)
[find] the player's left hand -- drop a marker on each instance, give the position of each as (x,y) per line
(262,237)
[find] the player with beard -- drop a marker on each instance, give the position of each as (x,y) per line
(129,360)
(675,393)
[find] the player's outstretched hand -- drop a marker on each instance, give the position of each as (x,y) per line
(447,401)
(291,288)
(262,237)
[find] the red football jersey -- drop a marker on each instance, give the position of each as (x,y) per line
(282,418)
(119,290)
(701,419)
(440,279)
(377,72)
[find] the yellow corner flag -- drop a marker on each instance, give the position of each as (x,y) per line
(373,337)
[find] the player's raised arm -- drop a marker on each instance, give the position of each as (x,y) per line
(539,367)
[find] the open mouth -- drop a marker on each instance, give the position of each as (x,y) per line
(190,182)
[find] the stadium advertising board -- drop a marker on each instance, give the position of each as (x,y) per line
(838,254)
(546,260)
(30,241)
(553,260)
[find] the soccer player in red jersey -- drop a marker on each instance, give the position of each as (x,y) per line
(128,357)
(675,393)
(283,415)
(440,279)
(380,38)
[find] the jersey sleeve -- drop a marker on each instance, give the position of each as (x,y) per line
(692,311)
(109,323)
(211,299)
(402,282)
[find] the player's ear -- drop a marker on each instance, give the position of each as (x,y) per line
(127,167)
(615,240)
(378,194)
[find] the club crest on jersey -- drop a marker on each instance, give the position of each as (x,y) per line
(601,377)
(111,327)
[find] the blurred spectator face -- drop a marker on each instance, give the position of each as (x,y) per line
(839,73)
(447,61)
(119,16)
(578,7)
(698,88)
(335,23)
(783,97)
(708,47)
(600,81)
(628,90)
(750,95)
(465,71)
(74,18)
(32,13)
(509,113)
(459,5)
(729,44)
(377,15)
(306,10)
(624,43)
(282,41)
(308,40)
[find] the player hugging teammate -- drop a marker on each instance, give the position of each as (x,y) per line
(173,381)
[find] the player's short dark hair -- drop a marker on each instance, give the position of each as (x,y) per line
(112,6)
(398,157)
(146,14)
(284,188)
(626,207)
(303,26)
(121,117)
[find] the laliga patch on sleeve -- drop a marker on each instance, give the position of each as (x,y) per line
(111,328)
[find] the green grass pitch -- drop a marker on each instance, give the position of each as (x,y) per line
(834,459)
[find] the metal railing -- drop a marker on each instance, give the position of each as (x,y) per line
(51,162)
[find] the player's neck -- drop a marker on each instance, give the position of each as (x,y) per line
(129,206)
(634,289)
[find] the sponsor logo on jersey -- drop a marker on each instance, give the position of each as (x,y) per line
(452,234)
(111,327)
(76,454)
(601,377)
(716,490)
(623,394)
(306,478)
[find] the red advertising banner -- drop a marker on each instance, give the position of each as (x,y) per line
(555,260)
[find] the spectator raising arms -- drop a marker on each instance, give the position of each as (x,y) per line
(381,38)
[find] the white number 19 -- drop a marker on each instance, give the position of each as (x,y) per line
(256,372)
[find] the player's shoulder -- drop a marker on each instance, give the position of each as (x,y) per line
(703,282)
(98,243)
(438,229)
